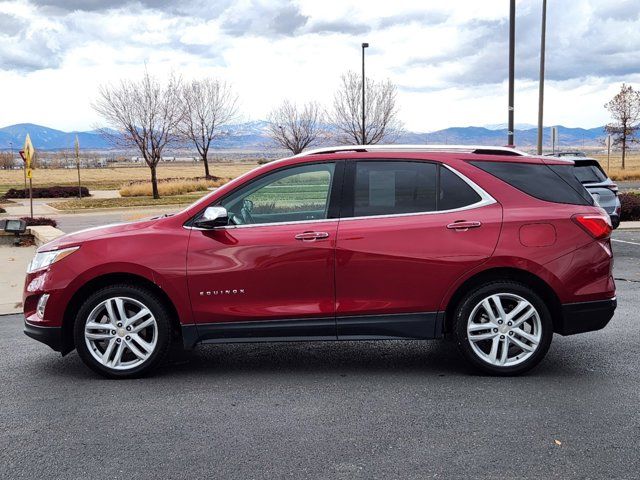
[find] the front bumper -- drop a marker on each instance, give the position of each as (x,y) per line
(585,316)
(51,336)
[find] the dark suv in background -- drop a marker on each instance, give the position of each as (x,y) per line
(595,180)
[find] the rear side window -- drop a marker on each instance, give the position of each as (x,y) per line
(397,187)
(454,192)
(552,183)
(589,172)
(386,188)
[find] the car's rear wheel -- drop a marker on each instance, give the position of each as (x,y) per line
(503,328)
(122,331)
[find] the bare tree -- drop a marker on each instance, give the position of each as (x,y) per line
(625,110)
(144,114)
(6,161)
(207,105)
(295,128)
(381,111)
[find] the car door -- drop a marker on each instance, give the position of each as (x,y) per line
(409,229)
(271,271)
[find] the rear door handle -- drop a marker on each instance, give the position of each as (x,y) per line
(463,225)
(310,236)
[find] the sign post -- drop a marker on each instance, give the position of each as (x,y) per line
(554,139)
(78,166)
(608,144)
(27,154)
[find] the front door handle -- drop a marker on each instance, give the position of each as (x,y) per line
(463,225)
(310,236)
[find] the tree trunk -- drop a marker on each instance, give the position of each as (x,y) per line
(205,160)
(154,181)
(624,147)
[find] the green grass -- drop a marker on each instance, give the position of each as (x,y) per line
(90,203)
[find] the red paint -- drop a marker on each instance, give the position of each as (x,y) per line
(411,263)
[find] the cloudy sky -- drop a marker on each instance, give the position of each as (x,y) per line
(448,59)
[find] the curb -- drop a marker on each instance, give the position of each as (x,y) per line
(44,234)
(629,226)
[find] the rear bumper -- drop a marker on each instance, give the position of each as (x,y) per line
(615,220)
(51,336)
(585,316)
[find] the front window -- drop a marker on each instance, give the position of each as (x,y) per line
(289,195)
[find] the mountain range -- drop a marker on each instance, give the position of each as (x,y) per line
(254,135)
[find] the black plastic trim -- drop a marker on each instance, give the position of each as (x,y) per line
(380,327)
(260,331)
(585,316)
(51,336)
(366,327)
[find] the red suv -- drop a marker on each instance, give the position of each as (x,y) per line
(495,250)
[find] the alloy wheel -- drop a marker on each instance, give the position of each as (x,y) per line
(121,333)
(504,329)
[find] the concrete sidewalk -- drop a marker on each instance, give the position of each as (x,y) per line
(19,207)
(13,269)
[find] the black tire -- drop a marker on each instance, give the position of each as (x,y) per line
(465,308)
(163,329)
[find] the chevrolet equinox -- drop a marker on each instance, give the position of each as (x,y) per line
(484,245)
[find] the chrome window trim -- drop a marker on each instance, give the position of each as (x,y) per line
(485,199)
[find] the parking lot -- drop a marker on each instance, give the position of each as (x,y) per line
(332,410)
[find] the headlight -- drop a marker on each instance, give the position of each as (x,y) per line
(44,259)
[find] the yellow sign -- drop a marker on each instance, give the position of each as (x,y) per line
(28,154)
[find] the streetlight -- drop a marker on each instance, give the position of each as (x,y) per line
(364,45)
(512,40)
(541,85)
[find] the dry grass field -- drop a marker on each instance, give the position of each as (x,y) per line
(171,187)
(632,170)
(114,178)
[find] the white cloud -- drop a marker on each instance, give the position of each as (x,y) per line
(449,60)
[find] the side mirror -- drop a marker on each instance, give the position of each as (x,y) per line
(213,217)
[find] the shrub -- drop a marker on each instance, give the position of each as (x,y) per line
(47,192)
(630,207)
(2,210)
(174,187)
(38,221)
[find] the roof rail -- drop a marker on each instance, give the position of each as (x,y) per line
(479,149)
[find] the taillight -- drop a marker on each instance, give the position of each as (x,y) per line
(598,226)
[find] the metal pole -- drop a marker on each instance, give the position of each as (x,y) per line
(24,167)
(512,39)
(541,87)
(78,166)
(31,196)
(608,152)
(364,45)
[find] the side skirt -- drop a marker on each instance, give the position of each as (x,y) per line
(368,327)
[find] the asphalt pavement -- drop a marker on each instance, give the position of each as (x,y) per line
(331,410)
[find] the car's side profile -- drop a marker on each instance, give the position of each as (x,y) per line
(497,250)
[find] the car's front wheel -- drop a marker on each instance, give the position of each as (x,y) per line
(122,331)
(503,328)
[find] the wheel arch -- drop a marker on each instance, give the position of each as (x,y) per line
(529,279)
(104,280)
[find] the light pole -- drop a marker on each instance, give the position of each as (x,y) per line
(512,40)
(541,87)
(364,45)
